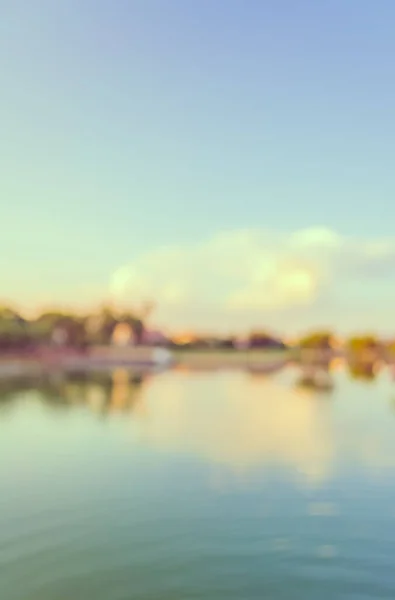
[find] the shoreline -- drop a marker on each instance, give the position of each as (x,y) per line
(102,360)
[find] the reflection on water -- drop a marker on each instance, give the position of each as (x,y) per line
(365,370)
(316,378)
(320,375)
(227,484)
(236,419)
(104,394)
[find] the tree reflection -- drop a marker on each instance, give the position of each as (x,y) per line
(10,390)
(316,378)
(363,370)
(101,393)
(50,390)
(104,394)
(265,370)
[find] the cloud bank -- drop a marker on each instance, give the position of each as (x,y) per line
(248,278)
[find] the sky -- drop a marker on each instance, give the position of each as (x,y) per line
(232,161)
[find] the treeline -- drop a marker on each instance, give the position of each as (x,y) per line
(56,327)
(52,327)
(255,339)
(368,345)
(18,333)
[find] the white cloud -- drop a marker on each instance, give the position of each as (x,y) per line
(316,236)
(236,279)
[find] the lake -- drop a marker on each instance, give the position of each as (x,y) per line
(187,485)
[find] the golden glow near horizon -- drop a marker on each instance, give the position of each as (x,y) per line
(184,338)
(257,274)
(122,334)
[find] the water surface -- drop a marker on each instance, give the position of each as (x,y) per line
(197,485)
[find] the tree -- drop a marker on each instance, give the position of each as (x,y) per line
(363,344)
(136,324)
(73,327)
(261,339)
(318,340)
(363,370)
(227,343)
(100,326)
(65,328)
(13,330)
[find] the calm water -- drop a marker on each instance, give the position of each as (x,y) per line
(197,485)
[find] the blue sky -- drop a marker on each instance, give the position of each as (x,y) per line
(131,126)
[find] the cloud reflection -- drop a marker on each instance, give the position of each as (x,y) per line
(242,423)
(238,421)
